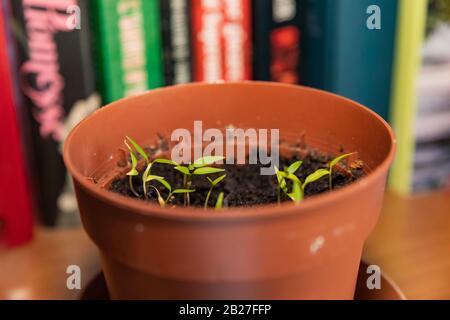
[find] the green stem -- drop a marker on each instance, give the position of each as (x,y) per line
(158,194)
(185,187)
(144,187)
(279,194)
(130,181)
(208,196)
(144,177)
(330,179)
(188,196)
(168,198)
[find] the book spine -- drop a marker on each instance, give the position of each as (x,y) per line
(344,55)
(152,28)
(404,100)
(222,41)
(16,204)
(128,55)
(176,35)
(315,44)
(276,38)
(57,82)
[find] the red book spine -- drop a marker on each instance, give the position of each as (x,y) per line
(222,40)
(15,199)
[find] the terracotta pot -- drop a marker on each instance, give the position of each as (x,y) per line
(311,251)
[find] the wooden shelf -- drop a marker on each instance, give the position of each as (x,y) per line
(411,244)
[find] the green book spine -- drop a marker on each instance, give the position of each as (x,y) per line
(152,24)
(128,47)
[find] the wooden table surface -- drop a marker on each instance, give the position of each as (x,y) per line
(411,243)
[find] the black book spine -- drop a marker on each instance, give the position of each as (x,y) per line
(57,83)
(276,40)
(177,44)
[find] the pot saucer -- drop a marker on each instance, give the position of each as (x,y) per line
(96,288)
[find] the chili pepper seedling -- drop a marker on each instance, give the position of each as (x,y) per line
(333,163)
(213,184)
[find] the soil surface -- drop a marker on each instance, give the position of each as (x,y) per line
(244,185)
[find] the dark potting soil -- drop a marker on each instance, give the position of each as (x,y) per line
(244,185)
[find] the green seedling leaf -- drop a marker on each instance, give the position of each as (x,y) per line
(294,167)
(166,161)
(289,176)
(281,180)
(206,161)
(333,163)
(133,172)
(182,191)
(292,177)
(183,170)
(219,202)
(218,180)
(150,177)
(146,172)
(278,174)
(164,183)
(139,149)
(296,195)
(207,170)
(315,176)
(339,159)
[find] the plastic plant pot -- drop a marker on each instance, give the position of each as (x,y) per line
(287,251)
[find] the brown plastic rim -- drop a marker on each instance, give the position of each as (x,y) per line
(260,212)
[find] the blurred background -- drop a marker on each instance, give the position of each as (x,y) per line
(60,60)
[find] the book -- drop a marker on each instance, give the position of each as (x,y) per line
(222,40)
(276,40)
(16,201)
(421,95)
(176,41)
(57,83)
(128,50)
(348,49)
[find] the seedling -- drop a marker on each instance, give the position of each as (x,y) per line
(288,173)
(332,164)
(178,191)
(289,185)
(147,176)
(298,188)
(199,167)
(213,184)
(133,172)
(161,200)
(219,202)
(314,177)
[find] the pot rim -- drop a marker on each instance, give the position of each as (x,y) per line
(149,209)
